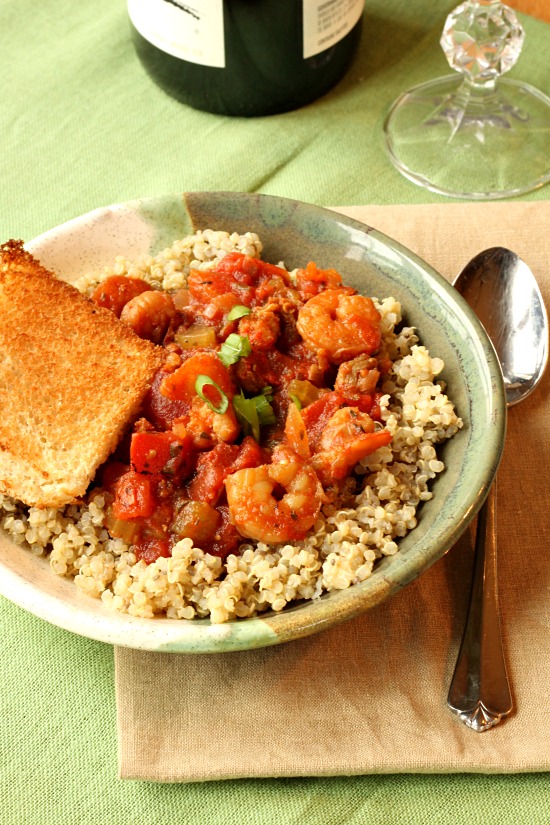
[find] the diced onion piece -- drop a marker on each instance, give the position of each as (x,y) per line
(195,520)
(196,336)
(118,528)
(303,391)
(181,298)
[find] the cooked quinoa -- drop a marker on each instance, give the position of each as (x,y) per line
(346,540)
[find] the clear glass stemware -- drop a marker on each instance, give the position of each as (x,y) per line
(474,134)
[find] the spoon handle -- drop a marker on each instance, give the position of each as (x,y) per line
(479,693)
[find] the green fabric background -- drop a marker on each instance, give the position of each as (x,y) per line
(82,126)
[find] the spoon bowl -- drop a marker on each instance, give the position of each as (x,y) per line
(505,296)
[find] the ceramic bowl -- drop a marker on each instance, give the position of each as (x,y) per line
(294,233)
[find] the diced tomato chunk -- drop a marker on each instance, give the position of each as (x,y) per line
(250,455)
(150,451)
(180,385)
(375,411)
(317,414)
(311,280)
(246,268)
(364,403)
(159,409)
(214,466)
(157,526)
(110,474)
(149,550)
(134,496)
(226,538)
(236,274)
(228,276)
(115,292)
(154,453)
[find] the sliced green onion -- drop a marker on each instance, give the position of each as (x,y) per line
(247,414)
(204,381)
(234,347)
(238,311)
(265,410)
(296,400)
(253,413)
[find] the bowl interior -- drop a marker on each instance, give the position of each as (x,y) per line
(294,233)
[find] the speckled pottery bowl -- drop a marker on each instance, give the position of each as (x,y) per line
(295,233)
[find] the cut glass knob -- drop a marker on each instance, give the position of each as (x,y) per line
(482,40)
(474,134)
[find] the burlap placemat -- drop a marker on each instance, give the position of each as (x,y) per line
(369,696)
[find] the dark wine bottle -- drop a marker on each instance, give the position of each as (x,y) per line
(246,57)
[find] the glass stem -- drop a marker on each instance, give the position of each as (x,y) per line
(474,101)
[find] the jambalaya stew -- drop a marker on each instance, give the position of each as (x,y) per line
(285,445)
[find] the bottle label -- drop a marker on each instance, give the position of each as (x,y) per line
(328,21)
(191,31)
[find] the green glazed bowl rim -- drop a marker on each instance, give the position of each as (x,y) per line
(150,224)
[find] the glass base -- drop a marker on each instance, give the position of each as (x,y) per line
(471,142)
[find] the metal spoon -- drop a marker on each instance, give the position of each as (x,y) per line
(504,294)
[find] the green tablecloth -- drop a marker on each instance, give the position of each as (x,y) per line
(81,127)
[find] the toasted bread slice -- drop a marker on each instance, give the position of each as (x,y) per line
(72,376)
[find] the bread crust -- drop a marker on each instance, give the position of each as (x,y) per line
(72,377)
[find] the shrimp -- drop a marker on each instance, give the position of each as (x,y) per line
(277,502)
(341,323)
(208,428)
(149,314)
(347,437)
